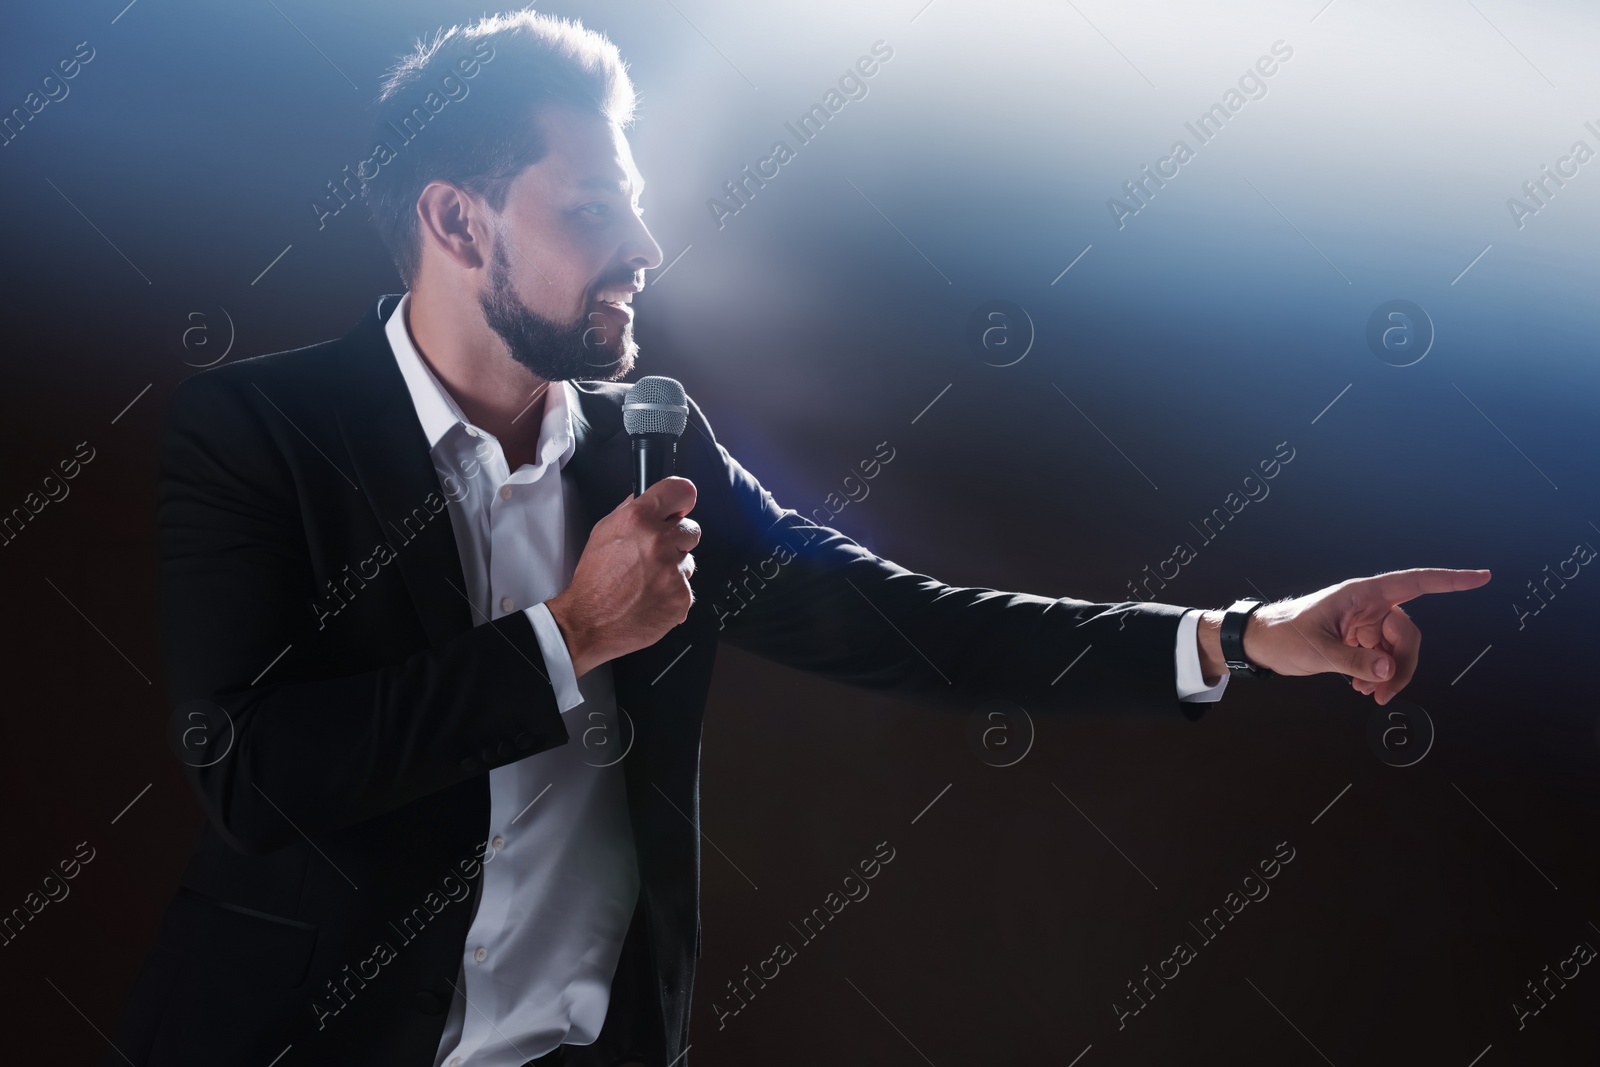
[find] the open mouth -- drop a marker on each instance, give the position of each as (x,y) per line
(618,302)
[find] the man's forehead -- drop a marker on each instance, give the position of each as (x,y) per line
(588,152)
(622,183)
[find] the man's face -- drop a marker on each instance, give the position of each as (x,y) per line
(570,250)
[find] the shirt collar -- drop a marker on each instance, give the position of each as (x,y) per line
(439,413)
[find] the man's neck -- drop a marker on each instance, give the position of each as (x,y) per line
(493,391)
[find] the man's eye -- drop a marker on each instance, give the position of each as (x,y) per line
(596,210)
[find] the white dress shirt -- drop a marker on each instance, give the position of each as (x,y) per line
(1191,681)
(560,887)
(559,890)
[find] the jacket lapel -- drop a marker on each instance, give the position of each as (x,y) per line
(390,452)
(599,463)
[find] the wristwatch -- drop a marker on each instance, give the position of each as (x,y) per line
(1232,635)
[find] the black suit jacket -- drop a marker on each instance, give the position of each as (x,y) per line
(342,756)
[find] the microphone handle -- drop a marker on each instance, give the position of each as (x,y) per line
(654,458)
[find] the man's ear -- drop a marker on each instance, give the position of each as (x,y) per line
(454,223)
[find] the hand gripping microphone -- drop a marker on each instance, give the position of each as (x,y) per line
(654,414)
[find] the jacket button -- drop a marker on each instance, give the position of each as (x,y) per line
(524,740)
(429,1003)
(471,765)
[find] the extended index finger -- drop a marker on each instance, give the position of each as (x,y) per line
(1396,587)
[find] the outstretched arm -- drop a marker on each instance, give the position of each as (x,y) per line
(808,596)
(821,602)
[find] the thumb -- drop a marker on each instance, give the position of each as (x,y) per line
(1368,664)
(671,498)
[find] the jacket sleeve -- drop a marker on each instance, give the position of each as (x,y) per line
(809,597)
(275,739)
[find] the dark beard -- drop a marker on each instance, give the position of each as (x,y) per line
(552,351)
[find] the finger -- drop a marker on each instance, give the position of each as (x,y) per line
(686,536)
(1365,634)
(1396,587)
(1367,664)
(670,498)
(1404,640)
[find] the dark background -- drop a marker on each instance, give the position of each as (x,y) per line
(1224,318)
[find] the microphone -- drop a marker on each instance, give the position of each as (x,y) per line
(654,414)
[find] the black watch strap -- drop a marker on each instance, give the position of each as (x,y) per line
(1232,635)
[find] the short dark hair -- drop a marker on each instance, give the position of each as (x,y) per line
(508,66)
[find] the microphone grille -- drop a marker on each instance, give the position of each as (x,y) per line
(656,405)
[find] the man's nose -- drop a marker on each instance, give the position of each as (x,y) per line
(641,251)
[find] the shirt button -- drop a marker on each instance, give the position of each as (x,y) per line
(505,603)
(505,492)
(455,1061)
(498,842)
(471,431)
(480,954)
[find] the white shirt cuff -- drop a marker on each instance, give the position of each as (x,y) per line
(1191,681)
(557,661)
